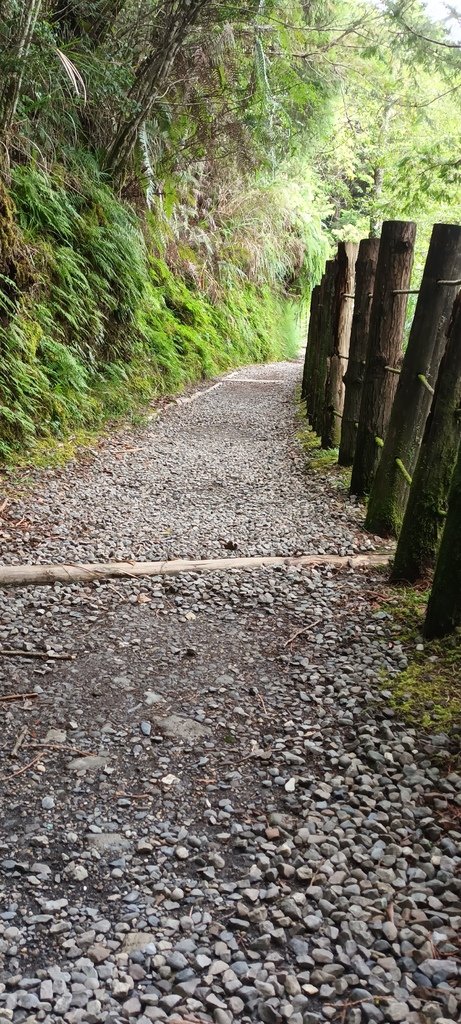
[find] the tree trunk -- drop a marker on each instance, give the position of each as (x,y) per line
(425,512)
(388,113)
(387,322)
(325,342)
(11,89)
(444,609)
(311,343)
(375,219)
(151,78)
(389,493)
(343,309)
(365,270)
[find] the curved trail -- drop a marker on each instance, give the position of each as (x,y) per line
(209,810)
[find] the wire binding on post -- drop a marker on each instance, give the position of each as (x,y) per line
(404,472)
(424,381)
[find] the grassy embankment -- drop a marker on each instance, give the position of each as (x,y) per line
(94,322)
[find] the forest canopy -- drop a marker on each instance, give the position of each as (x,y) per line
(172,171)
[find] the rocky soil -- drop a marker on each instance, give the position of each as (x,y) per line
(210,811)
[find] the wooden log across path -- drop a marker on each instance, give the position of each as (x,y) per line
(26,575)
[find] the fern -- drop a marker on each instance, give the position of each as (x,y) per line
(109,322)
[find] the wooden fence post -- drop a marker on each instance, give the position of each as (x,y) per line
(444,609)
(365,270)
(384,352)
(311,341)
(337,362)
(313,365)
(390,489)
(323,344)
(425,512)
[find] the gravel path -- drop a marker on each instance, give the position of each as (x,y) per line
(221,473)
(221,819)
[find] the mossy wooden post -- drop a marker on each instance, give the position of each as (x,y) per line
(365,270)
(324,345)
(387,322)
(311,384)
(390,489)
(443,614)
(311,343)
(337,363)
(304,376)
(427,502)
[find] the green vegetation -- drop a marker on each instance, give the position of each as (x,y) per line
(173,176)
(323,460)
(104,324)
(426,693)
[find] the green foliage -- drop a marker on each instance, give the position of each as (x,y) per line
(392,153)
(107,325)
(318,459)
(92,249)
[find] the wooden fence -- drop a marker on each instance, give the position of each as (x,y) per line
(393,411)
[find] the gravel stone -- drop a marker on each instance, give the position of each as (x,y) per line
(108,842)
(396,1011)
